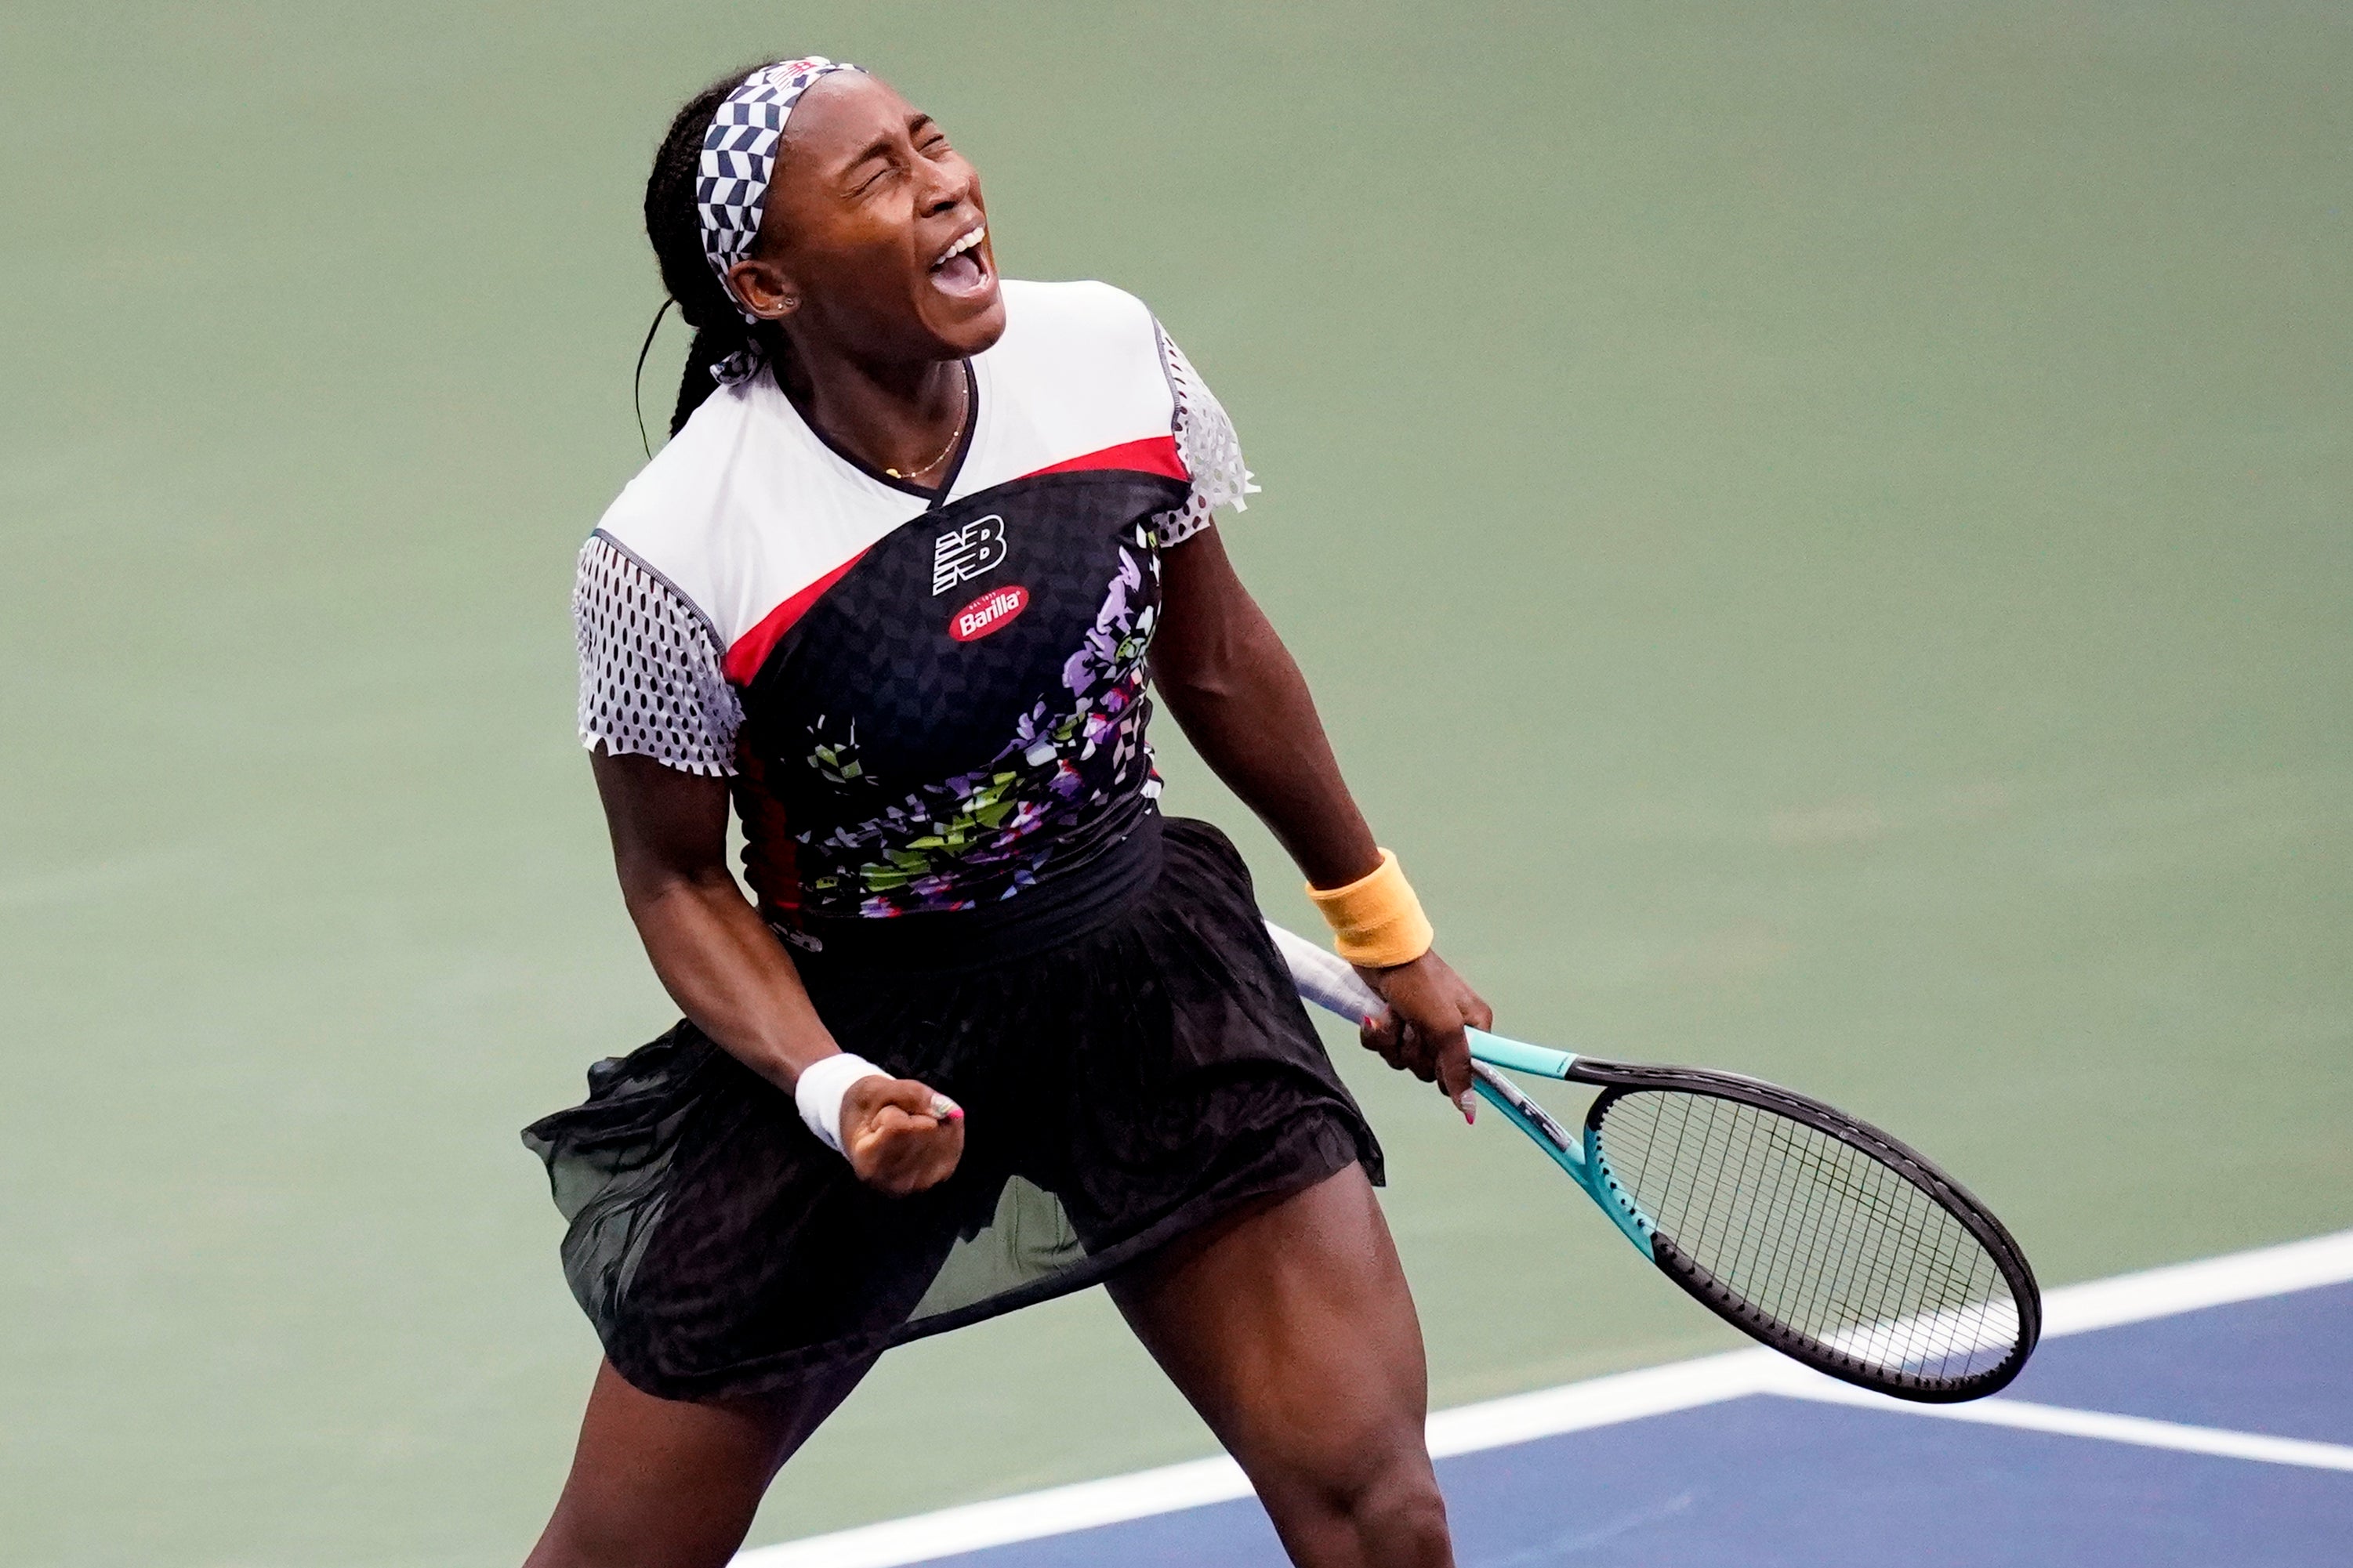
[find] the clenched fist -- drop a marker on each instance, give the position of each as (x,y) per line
(901,1136)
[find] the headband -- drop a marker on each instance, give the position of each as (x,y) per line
(739,155)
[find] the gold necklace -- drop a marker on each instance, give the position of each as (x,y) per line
(955,436)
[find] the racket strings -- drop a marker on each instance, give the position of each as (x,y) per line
(1827,1241)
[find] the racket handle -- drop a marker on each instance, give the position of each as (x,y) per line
(1324,978)
(1331,981)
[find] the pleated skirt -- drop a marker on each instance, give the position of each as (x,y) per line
(1123,1083)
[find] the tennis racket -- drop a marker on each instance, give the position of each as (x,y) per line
(1814,1233)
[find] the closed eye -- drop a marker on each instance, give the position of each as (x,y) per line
(927,136)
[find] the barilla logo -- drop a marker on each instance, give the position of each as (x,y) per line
(986,614)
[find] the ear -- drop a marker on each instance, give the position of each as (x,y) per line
(763,288)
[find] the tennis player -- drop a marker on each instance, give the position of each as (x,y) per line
(994,1029)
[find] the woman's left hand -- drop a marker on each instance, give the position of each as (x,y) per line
(1430,1007)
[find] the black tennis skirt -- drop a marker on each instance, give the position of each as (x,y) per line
(1123,1082)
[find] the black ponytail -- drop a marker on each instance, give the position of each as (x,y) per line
(720,330)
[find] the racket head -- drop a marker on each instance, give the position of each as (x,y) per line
(1814,1232)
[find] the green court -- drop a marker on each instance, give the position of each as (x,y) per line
(1821,532)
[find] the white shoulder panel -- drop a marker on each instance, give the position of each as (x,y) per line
(745,508)
(1078,371)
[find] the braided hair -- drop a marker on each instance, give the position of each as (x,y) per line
(720,328)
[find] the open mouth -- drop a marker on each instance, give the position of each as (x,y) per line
(962,267)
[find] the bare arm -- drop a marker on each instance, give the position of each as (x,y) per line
(729,974)
(1240,698)
(1237,695)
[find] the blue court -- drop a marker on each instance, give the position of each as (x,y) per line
(2182,1434)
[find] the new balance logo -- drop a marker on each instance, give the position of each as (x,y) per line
(963,553)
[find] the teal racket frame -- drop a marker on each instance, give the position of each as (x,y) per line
(1326,980)
(1579,1153)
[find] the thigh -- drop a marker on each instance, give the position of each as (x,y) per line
(665,1483)
(1290,1329)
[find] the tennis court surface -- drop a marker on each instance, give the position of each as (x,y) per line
(2199,1414)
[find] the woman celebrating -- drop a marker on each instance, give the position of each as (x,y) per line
(897,584)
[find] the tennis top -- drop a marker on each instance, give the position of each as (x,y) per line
(927,700)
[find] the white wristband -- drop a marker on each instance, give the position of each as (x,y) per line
(820,1089)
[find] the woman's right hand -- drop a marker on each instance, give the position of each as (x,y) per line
(899,1135)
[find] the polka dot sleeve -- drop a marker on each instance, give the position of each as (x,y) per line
(1211,451)
(650,682)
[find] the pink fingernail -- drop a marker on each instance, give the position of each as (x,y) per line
(955,1113)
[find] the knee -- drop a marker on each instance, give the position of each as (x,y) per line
(1386,1501)
(1402,1508)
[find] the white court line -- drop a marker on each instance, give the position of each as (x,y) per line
(1653,1391)
(1599,1401)
(2209,1282)
(2069,1421)
(1004,1521)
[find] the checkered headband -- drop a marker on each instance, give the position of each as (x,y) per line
(739,155)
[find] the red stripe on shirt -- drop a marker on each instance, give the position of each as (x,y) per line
(1154,455)
(750,651)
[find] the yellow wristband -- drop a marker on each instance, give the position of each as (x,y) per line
(1375,921)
